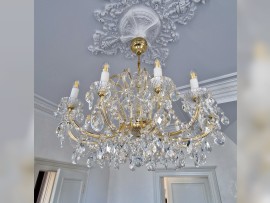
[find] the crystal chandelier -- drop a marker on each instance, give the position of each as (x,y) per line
(131,120)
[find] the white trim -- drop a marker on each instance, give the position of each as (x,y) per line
(46,164)
(208,172)
(223,88)
(44,105)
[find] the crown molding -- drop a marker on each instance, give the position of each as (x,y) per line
(223,88)
(44,105)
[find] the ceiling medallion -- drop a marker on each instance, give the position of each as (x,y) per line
(131,120)
(154,20)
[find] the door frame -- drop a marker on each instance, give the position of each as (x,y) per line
(205,172)
(45,165)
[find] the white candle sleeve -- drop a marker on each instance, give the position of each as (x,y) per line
(157,72)
(105,76)
(74,92)
(194,84)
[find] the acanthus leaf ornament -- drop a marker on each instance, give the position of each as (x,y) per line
(158,20)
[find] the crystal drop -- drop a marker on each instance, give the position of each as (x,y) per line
(97,122)
(108,95)
(189,148)
(99,155)
(219,138)
(89,98)
(179,163)
(80,149)
(132,166)
(170,153)
(225,120)
(196,160)
(175,96)
(122,157)
(167,104)
(137,161)
(207,147)
(185,107)
(181,155)
(62,142)
(74,158)
(182,163)
(147,95)
(203,158)
(80,117)
(90,162)
(153,147)
(162,118)
(150,166)
(62,107)
(108,148)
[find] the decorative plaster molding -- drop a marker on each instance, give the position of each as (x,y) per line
(223,88)
(154,20)
(44,105)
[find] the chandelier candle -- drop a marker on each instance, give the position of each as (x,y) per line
(75,90)
(157,69)
(105,75)
(194,84)
(130,119)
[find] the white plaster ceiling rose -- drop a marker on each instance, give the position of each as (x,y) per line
(154,20)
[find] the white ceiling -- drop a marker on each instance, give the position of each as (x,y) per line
(64,29)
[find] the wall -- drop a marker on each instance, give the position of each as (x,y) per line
(140,183)
(47,147)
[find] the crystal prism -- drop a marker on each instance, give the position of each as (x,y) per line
(97,122)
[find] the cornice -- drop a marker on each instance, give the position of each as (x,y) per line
(44,105)
(223,88)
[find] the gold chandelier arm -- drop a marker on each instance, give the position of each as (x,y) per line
(193,119)
(79,128)
(70,134)
(196,138)
(106,119)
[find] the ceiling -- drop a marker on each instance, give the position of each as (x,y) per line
(64,29)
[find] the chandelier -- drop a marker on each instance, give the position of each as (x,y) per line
(131,120)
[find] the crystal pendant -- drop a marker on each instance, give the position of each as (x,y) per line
(175,96)
(197,160)
(179,163)
(79,117)
(137,161)
(189,148)
(162,118)
(225,120)
(90,162)
(89,98)
(97,122)
(132,166)
(203,158)
(207,147)
(74,158)
(219,138)
(62,140)
(150,166)
(168,105)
